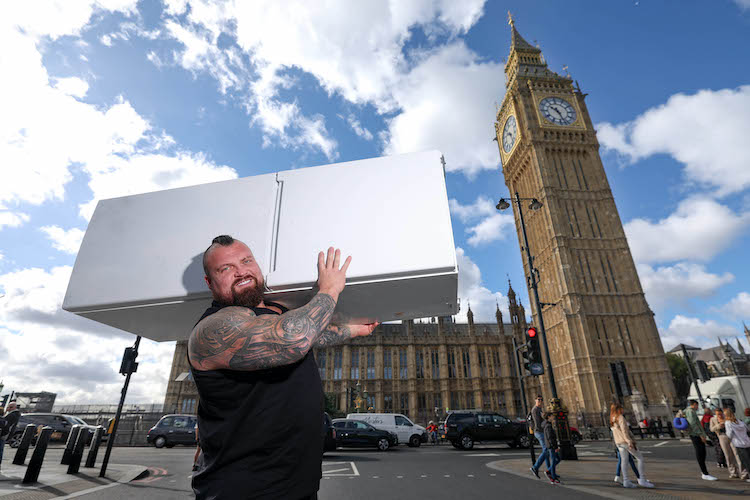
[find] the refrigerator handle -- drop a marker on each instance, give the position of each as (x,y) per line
(274,239)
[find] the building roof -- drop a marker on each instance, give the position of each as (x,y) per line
(717,353)
(678,348)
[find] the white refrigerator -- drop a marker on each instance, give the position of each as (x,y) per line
(139,267)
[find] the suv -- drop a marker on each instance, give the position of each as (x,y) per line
(173,429)
(464,428)
(61,425)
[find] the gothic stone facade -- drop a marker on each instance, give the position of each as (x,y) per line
(599,315)
(418,369)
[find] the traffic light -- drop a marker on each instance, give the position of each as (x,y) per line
(533,354)
(703,374)
(128,364)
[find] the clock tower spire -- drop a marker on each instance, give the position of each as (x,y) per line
(599,316)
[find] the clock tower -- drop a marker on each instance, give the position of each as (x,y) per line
(603,340)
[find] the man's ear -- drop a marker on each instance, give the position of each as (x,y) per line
(208,281)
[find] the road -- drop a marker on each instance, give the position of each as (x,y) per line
(436,473)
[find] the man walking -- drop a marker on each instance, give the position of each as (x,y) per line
(550,439)
(698,437)
(538,421)
(261,397)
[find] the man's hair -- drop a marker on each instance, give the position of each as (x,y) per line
(224,240)
(692,402)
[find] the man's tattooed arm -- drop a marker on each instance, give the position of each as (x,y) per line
(237,339)
(334,334)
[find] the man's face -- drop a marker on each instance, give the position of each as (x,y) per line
(11,406)
(234,277)
(539,401)
(694,406)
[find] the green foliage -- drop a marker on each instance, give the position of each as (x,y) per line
(330,405)
(679,370)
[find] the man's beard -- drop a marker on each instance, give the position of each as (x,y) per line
(250,296)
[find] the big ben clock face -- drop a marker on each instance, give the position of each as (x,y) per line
(510,131)
(557,110)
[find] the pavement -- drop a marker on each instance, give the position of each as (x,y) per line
(678,477)
(55,482)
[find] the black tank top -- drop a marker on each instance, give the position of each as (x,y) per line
(260,430)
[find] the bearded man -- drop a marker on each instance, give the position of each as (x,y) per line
(261,397)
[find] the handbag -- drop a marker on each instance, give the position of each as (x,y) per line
(680,423)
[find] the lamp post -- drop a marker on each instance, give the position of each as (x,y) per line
(568,451)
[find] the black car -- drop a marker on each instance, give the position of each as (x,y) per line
(464,428)
(173,429)
(60,424)
(329,434)
(358,434)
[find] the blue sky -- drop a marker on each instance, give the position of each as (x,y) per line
(118,97)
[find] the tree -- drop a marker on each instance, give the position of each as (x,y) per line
(679,370)
(330,405)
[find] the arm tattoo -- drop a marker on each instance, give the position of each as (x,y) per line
(237,339)
(333,335)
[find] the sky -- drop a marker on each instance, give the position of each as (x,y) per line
(105,98)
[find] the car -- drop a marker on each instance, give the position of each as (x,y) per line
(463,428)
(173,429)
(358,434)
(329,434)
(407,431)
(60,424)
(575,436)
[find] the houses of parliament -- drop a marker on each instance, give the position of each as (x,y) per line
(595,312)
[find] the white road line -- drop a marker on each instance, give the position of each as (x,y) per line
(447,475)
(375,477)
(483,455)
(423,475)
(90,490)
(470,475)
(400,477)
(354,468)
(336,470)
(661,444)
(493,475)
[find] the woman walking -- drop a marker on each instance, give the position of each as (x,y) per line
(737,432)
(730,454)
(625,442)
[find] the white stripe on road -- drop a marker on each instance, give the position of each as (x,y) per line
(661,444)
(86,492)
(354,468)
(337,470)
(483,455)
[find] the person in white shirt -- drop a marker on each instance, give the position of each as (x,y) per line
(737,432)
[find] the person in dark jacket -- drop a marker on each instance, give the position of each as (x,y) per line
(550,437)
(10,422)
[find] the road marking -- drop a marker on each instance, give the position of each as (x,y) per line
(337,470)
(661,444)
(470,475)
(493,475)
(90,490)
(350,470)
(375,477)
(423,475)
(447,475)
(483,455)
(354,468)
(400,477)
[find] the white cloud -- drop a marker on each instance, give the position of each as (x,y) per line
(357,127)
(66,241)
(12,219)
(693,331)
(738,307)
(354,50)
(743,4)
(492,225)
(698,230)
(706,131)
(447,103)
(72,86)
(678,283)
(43,347)
(472,292)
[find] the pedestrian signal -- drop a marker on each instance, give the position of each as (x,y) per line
(533,355)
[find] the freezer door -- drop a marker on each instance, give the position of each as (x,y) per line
(390,214)
(147,249)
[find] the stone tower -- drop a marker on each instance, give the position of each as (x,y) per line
(599,315)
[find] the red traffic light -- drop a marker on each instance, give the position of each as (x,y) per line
(531,332)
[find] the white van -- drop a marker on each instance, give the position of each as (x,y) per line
(406,430)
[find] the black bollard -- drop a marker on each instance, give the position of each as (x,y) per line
(37,458)
(23,447)
(70,444)
(94,449)
(75,457)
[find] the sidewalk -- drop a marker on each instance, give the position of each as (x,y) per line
(672,478)
(55,482)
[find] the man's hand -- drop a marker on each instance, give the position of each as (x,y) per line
(331,278)
(703,438)
(338,334)
(362,330)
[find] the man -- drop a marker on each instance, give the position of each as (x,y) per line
(11,420)
(538,421)
(261,398)
(698,437)
(550,439)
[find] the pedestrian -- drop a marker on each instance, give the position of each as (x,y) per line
(747,416)
(537,418)
(10,420)
(698,438)
(730,452)
(737,432)
(197,449)
(260,394)
(721,460)
(625,442)
(432,430)
(619,464)
(550,439)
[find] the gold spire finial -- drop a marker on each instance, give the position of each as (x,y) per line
(511,21)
